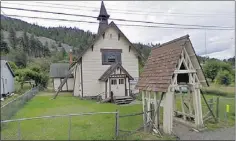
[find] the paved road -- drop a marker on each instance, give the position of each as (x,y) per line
(220,134)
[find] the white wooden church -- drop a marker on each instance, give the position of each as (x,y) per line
(109,64)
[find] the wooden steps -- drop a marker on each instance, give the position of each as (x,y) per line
(122,100)
(106,100)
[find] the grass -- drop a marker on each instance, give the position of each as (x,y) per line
(220,90)
(223,101)
(18,92)
(90,127)
(82,127)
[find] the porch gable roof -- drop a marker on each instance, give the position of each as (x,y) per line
(111,69)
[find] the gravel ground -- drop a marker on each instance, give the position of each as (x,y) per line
(184,133)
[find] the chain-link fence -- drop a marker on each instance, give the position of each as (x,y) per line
(223,109)
(82,126)
(10,108)
(130,124)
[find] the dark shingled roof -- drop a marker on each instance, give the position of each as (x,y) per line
(111,69)
(161,65)
(59,70)
(5,59)
(103,12)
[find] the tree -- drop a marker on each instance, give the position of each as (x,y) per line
(224,77)
(32,43)
(26,43)
(211,68)
(12,38)
(32,74)
(19,57)
(4,46)
(63,51)
(59,44)
(13,65)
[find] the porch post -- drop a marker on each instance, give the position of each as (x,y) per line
(126,92)
(106,89)
(197,106)
(129,86)
(109,86)
(168,112)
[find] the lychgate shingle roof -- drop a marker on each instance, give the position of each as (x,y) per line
(59,70)
(161,64)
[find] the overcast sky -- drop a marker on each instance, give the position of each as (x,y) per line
(218,43)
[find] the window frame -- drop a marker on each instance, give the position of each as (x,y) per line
(113,82)
(121,80)
(105,53)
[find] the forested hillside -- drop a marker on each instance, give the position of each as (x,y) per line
(77,38)
(30,46)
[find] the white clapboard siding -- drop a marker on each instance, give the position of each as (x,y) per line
(70,84)
(57,83)
(7,79)
(92,62)
(77,78)
(64,88)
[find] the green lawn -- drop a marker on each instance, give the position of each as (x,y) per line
(223,101)
(82,127)
(18,92)
(220,90)
(86,127)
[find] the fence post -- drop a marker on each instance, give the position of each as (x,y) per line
(217,108)
(117,124)
(69,127)
(19,131)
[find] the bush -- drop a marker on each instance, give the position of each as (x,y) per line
(43,63)
(40,78)
(13,66)
(224,78)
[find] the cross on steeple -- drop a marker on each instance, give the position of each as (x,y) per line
(102,18)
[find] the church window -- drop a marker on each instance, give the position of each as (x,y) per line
(111,56)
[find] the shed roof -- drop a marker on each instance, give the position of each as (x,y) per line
(59,70)
(161,64)
(8,65)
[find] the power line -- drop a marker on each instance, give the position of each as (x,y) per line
(142,13)
(208,14)
(151,26)
(124,20)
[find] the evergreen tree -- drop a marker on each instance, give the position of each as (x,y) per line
(32,43)
(26,43)
(12,38)
(3,45)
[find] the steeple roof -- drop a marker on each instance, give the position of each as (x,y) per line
(103,12)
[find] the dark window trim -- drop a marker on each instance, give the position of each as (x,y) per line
(119,36)
(113,82)
(111,50)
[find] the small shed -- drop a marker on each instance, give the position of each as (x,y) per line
(58,72)
(172,68)
(7,78)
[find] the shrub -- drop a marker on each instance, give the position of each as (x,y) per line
(211,68)
(13,65)
(224,78)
